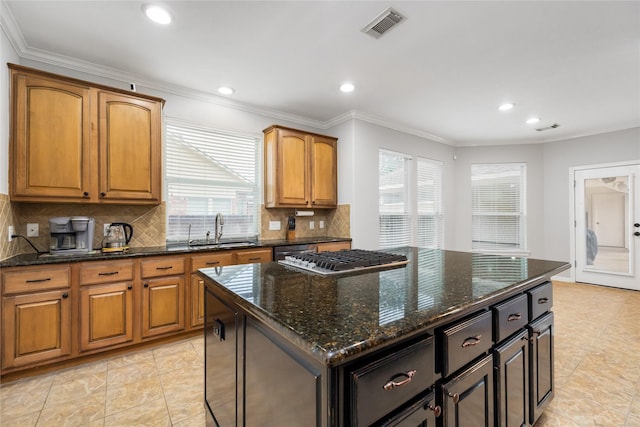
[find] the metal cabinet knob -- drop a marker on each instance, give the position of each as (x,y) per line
(437,410)
(455,397)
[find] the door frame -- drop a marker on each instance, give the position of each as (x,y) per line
(572,205)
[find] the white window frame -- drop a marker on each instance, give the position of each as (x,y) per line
(496,243)
(239,177)
(413,207)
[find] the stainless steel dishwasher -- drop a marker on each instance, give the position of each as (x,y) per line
(279,252)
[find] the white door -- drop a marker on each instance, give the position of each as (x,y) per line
(607,221)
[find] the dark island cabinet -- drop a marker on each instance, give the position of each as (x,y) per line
(286,348)
(512,381)
(467,399)
(221,361)
(541,333)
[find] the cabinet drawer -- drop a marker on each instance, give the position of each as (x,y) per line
(254,255)
(165,266)
(540,300)
(509,317)
(36,279)
(464,341)
(106,272)
(387,383)
(216,259)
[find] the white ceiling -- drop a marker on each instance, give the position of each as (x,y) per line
(441,73)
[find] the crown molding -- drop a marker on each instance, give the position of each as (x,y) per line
(24,51)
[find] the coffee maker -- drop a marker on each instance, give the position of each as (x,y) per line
(71,235)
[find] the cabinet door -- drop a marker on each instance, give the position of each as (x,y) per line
(422,414)
(468,399)
(51,139)
(512,381)
(197,301)
(36,327)
(106,315)
(324,177)
(129,141)
(292,186)
(541,332)
(162,305)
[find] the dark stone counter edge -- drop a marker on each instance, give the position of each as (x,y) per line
(357,350)
(35,259)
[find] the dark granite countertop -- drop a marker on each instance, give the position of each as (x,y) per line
(336,318)
(41,259)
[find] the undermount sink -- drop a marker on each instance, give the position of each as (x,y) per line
(222,245)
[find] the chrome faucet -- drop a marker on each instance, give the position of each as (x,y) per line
(219,227)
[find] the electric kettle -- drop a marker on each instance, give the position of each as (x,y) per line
(118,237)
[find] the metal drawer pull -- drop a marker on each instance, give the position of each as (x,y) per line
(111,273)
(213,263)
(38,280)
(455,397)
(164,268)
(514,316)
(543,300)
(254,259)
(471,341)
(390,385)
(437,410)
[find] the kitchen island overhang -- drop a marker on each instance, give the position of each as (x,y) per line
(340,324)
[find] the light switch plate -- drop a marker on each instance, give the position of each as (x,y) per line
(10,232)
(321,224)
(312,225)
(33,230)
(274,225)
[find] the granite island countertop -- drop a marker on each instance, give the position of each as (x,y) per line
(338,318)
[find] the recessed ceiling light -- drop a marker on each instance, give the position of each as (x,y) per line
(533,120)
(347,87)
(226,90)
(506,107)
(157,14)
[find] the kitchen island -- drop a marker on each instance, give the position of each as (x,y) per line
(401,346)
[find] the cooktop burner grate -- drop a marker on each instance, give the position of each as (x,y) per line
(344,261)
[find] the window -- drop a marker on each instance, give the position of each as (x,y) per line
(393,199)
(410,205)
(498,207)
(210,172)
(429,204)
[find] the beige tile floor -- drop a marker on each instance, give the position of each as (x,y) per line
(597,373)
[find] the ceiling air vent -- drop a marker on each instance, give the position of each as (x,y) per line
(553,126)
(383,23)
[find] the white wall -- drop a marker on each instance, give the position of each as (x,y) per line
(361,184)
(559,157)
(7,54)
(530,154)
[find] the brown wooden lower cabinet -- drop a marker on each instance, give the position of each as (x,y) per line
(106,315)
(36,327)
(162,305)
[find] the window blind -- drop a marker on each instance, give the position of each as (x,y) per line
(498,194)
(208,172)
(393,201)
(429,204)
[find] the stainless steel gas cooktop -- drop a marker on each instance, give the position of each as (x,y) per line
(344,261)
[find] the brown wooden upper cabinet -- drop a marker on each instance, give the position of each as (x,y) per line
(300,169)
(74,141)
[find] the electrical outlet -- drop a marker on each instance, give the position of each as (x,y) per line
(105,231)
(321,224)
(312,225)
(33,230)
(10,232)
(274,225)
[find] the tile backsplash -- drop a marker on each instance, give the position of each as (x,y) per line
(149,223)
(336,223)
